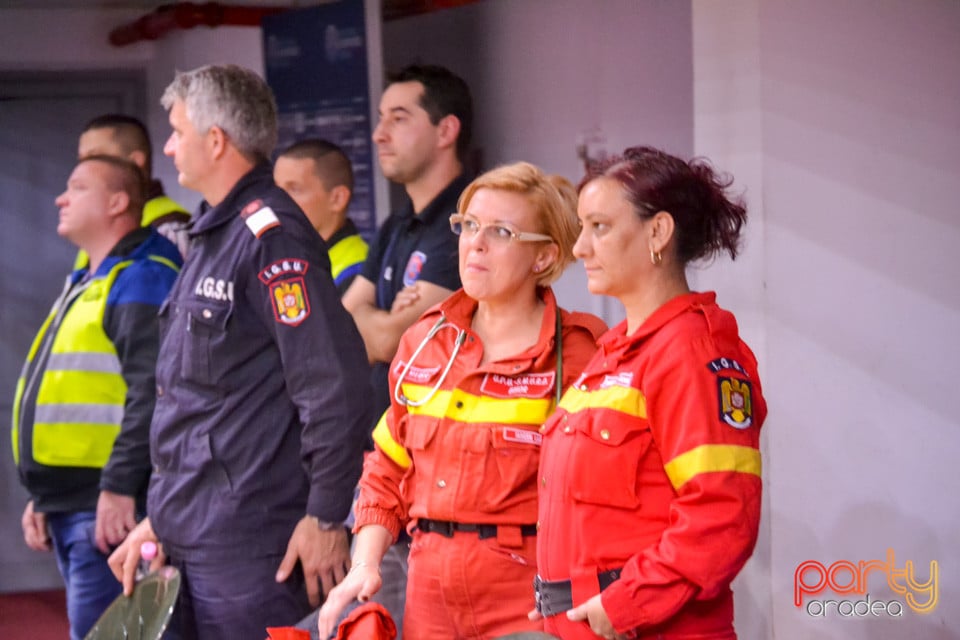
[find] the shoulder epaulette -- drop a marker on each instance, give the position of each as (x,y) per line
(259,218)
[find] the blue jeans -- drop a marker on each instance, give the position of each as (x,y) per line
(91,586)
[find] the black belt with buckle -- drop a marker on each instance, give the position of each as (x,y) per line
(447,528)
(557,596)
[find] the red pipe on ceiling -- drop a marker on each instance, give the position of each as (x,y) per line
(187,15)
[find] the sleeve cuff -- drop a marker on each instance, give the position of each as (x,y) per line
(373,515)
(329,506)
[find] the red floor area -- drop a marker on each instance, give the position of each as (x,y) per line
(40,615)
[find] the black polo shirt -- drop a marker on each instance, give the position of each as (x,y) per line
(411,247)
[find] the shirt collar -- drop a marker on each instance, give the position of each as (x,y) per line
(348,229)
(208,217)
(617,338)
(126,246)
(459,308)
(442,205)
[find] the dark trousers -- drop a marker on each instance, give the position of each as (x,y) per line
(235,600)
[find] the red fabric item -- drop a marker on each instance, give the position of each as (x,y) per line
(652,464)
(287,633)
(475,445)
(370,621)
(469,454)
(465,587)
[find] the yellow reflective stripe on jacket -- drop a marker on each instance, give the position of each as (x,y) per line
(390,447)
(623,399)
(21,382)
(15,431)
(468,408)
(710,458)
(346,253)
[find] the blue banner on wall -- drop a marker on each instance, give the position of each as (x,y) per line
(316,63)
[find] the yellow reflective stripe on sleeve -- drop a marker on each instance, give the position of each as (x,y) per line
(712,457)
(623,399)
(390,447)
(472,409)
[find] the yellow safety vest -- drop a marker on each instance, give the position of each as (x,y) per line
(81,395)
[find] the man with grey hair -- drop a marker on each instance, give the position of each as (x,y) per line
(262,387)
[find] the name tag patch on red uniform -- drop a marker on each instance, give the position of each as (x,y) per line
(290,303)
(736,406)
(622,379)
(523,436)
(417,375)
(531,385)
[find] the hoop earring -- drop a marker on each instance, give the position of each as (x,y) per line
(655,257)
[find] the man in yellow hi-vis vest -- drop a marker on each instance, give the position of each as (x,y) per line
(83,404)
(126,137)
(318,176)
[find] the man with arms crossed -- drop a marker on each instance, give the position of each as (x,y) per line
(424,131)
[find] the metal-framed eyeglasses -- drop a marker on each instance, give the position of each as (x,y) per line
(495,233)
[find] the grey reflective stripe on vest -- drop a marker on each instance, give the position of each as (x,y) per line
(79,413)
(93,362)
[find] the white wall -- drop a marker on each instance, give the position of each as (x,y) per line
(544,71)
(728,130)
(844,121)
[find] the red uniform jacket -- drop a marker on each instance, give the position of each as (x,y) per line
(652,464)
(470,453)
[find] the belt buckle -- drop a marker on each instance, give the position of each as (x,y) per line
(443,527)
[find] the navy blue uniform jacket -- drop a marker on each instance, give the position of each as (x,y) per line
(262,384)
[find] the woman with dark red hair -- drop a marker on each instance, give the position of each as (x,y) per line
(650,468)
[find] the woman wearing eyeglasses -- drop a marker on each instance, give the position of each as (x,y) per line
(473,381)
(651,465)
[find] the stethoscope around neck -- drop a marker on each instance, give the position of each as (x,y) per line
(458,342)
(434,330)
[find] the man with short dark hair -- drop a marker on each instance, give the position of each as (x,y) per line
(84,401)
(124,136)
(318,175)
(422,137)
(426,120)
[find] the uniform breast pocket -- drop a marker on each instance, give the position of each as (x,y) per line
(206,325)
(510,470)
(606,460)
(420,433)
